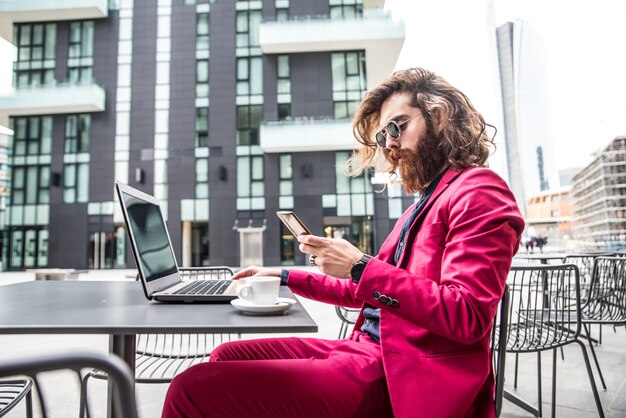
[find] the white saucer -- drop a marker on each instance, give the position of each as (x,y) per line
(248,307)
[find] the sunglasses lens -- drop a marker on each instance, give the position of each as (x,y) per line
(381,139)
(393,129)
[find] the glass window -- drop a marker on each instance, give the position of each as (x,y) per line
(345,9)
(349,82)
(285,169)
(29,184)
(248,123)
(282,14)
(163,73)
(77,131)
(284,111)
(243,176)
(36,50)
(202,170)
(80,51)
(247,26)
(286,188)
(202,127)
(160,171)
(257,168)
(202,71)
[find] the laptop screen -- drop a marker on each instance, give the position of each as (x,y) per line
(151,238)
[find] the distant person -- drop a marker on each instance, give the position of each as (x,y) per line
(420,346)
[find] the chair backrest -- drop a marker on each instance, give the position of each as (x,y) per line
(607,293)
(585,263)
(498,347)
(160,357)
(206,273)
(12,391)
(114,366)
(544,310)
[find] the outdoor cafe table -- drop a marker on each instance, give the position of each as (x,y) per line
(120,309)
(544,258)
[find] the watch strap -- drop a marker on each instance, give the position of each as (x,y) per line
(357,268)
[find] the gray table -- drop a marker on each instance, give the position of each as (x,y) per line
(121,310)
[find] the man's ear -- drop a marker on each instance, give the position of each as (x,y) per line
(439,117)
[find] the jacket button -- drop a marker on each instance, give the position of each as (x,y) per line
(389,302)
(395,303)
(383,299)
(376,295)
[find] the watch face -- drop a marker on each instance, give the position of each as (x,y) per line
(357,270)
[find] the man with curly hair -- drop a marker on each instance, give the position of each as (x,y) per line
(420,347)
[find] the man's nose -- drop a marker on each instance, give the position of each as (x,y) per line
(391,142)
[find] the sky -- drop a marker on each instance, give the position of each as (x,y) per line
(585,44)
(585,55)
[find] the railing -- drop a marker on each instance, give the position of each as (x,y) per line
(305,120)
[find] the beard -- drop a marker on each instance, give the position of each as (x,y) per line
(419,168)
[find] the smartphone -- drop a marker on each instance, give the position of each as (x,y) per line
(292,222)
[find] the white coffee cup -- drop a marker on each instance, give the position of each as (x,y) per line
(260,290)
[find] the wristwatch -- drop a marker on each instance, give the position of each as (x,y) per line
(357,268)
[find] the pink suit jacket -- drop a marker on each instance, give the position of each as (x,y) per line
(441,297)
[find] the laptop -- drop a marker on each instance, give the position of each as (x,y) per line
(154,256)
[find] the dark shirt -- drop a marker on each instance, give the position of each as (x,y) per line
(371,326)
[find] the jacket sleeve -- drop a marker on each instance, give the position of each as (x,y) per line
(323,288)
(482,231)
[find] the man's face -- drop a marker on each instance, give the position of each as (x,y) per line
(416,151)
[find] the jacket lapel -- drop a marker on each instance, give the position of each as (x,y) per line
(448,178)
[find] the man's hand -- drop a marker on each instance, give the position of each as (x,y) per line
(256,271)
(334,257)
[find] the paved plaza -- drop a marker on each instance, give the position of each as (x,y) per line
(574,398)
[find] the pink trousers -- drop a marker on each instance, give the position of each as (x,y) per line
(284,377)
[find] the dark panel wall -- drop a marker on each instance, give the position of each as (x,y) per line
(308,7)
(102,145)
(68,228)
(311,85)
(181,164)
(143,80)
(223,241)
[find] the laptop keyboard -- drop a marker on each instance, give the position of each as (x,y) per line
(204,287)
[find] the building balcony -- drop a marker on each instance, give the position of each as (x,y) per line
(13,11)
(307,135)
(52,99)
(375,32)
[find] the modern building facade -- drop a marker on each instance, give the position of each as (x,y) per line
(529,151)
(549,215)
(599,194)
(227,111)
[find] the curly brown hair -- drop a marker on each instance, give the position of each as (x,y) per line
(464,142)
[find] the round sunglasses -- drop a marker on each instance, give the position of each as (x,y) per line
(392,128)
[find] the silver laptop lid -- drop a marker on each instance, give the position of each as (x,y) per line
(149,238)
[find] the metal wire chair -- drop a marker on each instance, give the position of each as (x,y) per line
(498,348)
(543,316)
(585,263)
(348,317)
(12,392)
(161,357)
(606,302)
(114,366)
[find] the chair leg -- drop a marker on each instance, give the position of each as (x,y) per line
(595,358)
(539,389)
(29,404)
(42,402)
(83,409)
(343,330)
(592,382)
(554,382)
(515,376)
